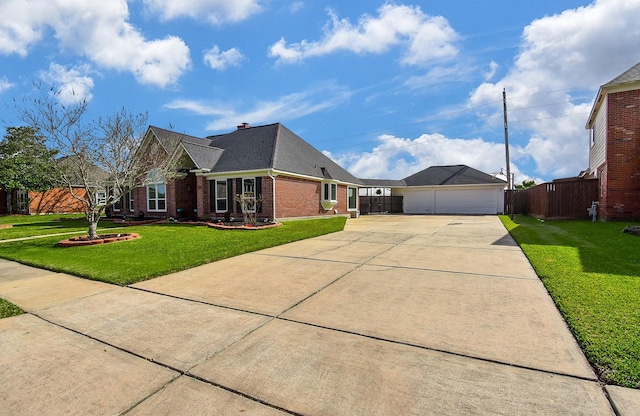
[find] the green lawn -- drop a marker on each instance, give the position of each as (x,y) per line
(33,225)
(592,271)
(8,309)
(161,249)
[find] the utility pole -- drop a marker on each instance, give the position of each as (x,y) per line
(506,148)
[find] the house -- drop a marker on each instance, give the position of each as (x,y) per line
(457,189)
(56,200)
(284,174)
(280,176)
(614,148)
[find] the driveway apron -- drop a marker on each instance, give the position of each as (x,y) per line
(394,315)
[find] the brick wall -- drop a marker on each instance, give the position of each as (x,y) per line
(57,200)
(622,199)
(301,198)
(185,192)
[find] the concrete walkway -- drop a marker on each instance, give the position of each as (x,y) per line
(395,315)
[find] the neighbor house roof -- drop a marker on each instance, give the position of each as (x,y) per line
(73,165)
(266,147)
(451,175)
(629,76)
(628,80)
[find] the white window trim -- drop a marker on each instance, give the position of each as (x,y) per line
(224,181)
(250,195)
(101,197)
(131,200)
(328,201)
(157,199)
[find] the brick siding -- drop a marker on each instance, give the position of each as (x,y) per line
(622,197)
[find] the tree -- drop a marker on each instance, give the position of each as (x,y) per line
(25,162)
(527,183)
(100,159)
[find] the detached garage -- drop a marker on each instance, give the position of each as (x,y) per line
(455,189)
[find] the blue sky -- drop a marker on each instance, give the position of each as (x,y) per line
(384,88)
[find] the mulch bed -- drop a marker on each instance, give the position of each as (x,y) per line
(104,239)
(228,226)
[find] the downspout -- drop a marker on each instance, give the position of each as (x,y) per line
(273,193)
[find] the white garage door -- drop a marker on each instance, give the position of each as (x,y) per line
(452,201)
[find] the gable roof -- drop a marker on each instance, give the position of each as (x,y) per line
(630,75)
(271,146)
(629,78)
(451,175)
(73,164)
(275,147)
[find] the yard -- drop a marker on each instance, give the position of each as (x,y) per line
(592,271)
(162,248)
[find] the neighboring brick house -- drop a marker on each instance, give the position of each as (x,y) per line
(289,176)
(52,201)
(614,153)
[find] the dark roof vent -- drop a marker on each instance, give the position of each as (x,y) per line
(244,126)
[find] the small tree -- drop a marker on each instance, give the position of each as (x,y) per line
(25,162)
(100,157)
(250,205)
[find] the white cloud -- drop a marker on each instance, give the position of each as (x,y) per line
(493,69)
(560,57)
(427,39)
(396,157)
(74,85)
(99,31)
(222,60)
(288,107)
(213,11)
(5,84)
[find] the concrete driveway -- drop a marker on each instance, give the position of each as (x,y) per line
(394,315)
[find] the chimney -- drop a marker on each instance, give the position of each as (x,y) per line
(244,126)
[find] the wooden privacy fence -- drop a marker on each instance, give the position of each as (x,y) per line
(554,200)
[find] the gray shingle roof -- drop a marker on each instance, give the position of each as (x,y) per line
(383,183)
(630,75)
(170,139)
(451,175)
(255,148)
(274,147)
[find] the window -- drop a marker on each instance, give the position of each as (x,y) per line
(127,197)
(330,192)
(329,195)
(249,193)
(101,197)
(22,201)
(352,198)
(221,195)
(592,136)
(157,197)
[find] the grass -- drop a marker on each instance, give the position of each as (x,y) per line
(592,272)
(162,249)
(34,225)
(8,309)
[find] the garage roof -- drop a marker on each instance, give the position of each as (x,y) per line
(451,175)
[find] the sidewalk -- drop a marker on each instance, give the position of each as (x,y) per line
(395,315)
